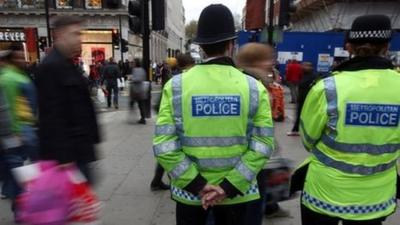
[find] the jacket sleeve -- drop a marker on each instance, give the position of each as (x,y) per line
(168,151)
(314,116)
(261,146)
(7,139)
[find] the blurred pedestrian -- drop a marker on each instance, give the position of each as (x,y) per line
(139,90)
(293,77)
(257,60)
(307,81)
(185,62)
(214,130)
(111,75)
(165,73)
(8,140)
(127,69)
(20,95)
(68,124)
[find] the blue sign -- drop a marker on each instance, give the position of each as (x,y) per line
(215,106)
(377,115)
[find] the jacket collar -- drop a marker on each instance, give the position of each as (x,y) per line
(364,63)
(224,61)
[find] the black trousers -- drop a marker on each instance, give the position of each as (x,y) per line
(223,215)
(309,217)
(142,107)
(112,92)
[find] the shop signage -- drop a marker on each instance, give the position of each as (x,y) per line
(12,36)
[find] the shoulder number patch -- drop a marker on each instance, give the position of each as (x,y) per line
(216,106)
(378,115)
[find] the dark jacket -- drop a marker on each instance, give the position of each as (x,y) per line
(67,120)
(111,74)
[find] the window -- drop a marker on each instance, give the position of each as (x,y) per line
(64,4)
(26,4)
(93,4)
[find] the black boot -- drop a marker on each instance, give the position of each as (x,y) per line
(157,183)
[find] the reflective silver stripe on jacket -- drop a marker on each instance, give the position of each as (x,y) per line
(180,169)
(253,91)
(165,130)
(166,147)
(261,148)
(359,148)
(349,209)
(213,141)
(350,168)
(216,162)
(177,103)
(263,131)
(331,98)
(245,171)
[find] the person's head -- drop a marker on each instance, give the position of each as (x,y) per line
(307,67)
(216,31)
(138,62)
(369,36)
(126,60)
(67,35)
(256,55)
(185,61)
(14,55)
(111,60)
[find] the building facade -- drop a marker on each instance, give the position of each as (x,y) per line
(338,15)
(171,41)
(25,21)
(100,23)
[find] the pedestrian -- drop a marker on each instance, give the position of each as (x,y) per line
(20,95)
(257,60)
(111,75)
(8,140)
(165,73)
(139,90)
(185,62)
(350,123)
(293,77)
(307,81)
(213,133)
(127,69)
(68,124)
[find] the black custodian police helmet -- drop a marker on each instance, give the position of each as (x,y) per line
(370,29)
(215,25)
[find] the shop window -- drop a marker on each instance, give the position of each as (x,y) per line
(79,3)
(64,4)
(26,4)
(93,4)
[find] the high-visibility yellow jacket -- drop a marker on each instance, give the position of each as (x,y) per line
(350,123)
(214,123)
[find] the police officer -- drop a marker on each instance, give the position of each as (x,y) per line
(350,123)
(214,131)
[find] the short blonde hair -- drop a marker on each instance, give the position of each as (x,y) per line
(253,53)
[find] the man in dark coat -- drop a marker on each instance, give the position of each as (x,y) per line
(67,119)
(111,74)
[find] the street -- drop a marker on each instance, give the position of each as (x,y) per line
(126,166)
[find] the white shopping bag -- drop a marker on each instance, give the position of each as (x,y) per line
(121,83)
(100,95)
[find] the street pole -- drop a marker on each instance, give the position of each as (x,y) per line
(271,22)
(120,38)
(146,37)
(46,7)
(146,50)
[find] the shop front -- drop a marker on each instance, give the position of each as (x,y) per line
(26,36)
(97,47)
